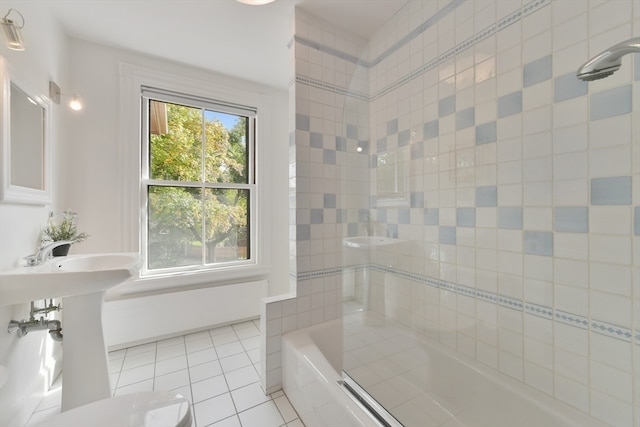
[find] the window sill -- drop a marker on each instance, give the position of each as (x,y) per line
(183,281)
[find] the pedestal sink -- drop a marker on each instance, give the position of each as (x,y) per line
(81,281)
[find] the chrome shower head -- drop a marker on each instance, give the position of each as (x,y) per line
(609,61)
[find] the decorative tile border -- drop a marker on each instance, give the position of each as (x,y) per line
(604,328)
(492,29)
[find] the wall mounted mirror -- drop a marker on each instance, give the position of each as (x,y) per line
(26,146)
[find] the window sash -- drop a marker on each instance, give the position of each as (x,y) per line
(148,94)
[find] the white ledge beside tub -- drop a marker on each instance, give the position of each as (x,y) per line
(81,282)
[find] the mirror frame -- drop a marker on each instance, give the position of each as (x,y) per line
(10,193)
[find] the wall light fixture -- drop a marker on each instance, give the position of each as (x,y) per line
(55,94)
(12,32)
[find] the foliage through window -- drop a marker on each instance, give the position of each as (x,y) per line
(198,182)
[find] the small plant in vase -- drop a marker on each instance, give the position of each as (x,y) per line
(62,227)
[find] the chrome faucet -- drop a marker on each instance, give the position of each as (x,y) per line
(44,253)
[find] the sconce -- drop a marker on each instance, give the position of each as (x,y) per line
(55,94)
(12,32)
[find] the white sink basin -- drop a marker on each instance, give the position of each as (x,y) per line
(66,276)
(369,241)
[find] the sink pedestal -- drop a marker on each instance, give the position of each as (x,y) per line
(85,363)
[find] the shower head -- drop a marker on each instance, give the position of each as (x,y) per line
(609,61)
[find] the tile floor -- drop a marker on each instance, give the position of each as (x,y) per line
(217,370)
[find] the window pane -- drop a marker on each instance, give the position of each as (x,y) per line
(226,148)
(175,142)
(175,228)
(226,228)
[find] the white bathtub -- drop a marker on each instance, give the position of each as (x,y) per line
(466,393)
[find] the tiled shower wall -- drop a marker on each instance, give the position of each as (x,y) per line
(518,202)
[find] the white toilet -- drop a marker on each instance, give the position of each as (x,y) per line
(146,409)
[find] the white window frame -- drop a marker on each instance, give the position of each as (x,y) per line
(132,80)
(194,101)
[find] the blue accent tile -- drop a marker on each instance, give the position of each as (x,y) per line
(487,196)
(510,218)
(537,71)
(431,129)
(636,66)
(447,106)
(341,143)
(363,147)
(611,191)
(303,231)
(329,157)
(417,150)
(317,216)
(571,219)
(538,243)
(568,86)
(465,118)
(636,220)
(392,230)
(431,216)
(612,102)
(352,229)
(352,131)
(381,145)
(392,127)
(363,215)
(466,217)
(486,133)
(417,199)
(404,216)
(316,139)
(404,138)
(381,215)
(302,122)
(447,235)
(329,201)
(510,104)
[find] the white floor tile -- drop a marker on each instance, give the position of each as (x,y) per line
(248,396)
(209,388)
(205,370)
(172,380)
(197,336)
(227,338)
(286,410)
(242,377)
(135,375)
(169,352)
(264,415)
(202,356)
(226,350)
(214,409)
(171,365)
(228,422)
(141,349)
(138,359)
(216,396)
(197,345)
(237,361)
(251,343)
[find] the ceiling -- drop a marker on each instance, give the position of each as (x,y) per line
(225,36)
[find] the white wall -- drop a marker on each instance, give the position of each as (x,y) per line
(33,360)
(95,163)
(87,169)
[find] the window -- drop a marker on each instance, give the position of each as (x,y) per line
(198,183)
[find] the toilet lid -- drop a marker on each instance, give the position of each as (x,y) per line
(147,409)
